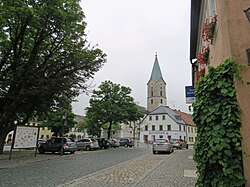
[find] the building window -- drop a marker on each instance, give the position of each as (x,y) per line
(161,101)
(163,117)
(179,127)
(189,129)
(146,128)
(180,138)
(156,118)
(161,93)
(42,136)
(169,127)
(151,101)
(153,127)
(161,127)
(192,130)
(150,118)
(152,93)
(184,128)
(161,136)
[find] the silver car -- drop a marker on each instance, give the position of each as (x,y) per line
(162,145)
(87,144)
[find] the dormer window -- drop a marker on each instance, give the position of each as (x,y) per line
(178,117)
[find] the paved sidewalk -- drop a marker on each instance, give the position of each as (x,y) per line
(23,157)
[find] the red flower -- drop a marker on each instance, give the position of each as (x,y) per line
(203,56)
(208,29)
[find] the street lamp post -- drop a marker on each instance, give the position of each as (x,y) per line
(64,123)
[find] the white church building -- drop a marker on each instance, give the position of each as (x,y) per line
(162,121)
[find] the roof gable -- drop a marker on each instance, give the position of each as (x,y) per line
(168,111)
(186,117)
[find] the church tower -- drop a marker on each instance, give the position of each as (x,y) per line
(156,88)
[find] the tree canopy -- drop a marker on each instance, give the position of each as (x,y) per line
(111,104)
(60,121)
(45,58)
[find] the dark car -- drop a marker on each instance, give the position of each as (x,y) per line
(60,145)
(127,142)
(40,141)
(103,143)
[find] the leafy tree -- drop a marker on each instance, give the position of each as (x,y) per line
(45,58)
(111,104)
(82,125)
(60,121)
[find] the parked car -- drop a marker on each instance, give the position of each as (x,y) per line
(179,144)
(61,145)
(41,141)
(87,144)
(114,143)
(162,145)
(103,143)
(127,142)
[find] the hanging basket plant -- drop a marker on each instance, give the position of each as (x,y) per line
(208,29)
(203,56)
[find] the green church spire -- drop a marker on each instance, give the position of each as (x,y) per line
(156,72)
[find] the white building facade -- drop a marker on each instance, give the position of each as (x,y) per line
(162,122)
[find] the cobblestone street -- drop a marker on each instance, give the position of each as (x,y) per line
(145,171)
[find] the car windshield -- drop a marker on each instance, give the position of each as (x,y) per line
(161,141)
(93,140)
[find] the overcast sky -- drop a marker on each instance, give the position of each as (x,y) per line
(130,32)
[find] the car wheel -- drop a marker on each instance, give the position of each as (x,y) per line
(88,148)
(61,150)
(72,152)
(53,152)
(41,150)
(170,151)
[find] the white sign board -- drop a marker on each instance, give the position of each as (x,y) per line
(25,137)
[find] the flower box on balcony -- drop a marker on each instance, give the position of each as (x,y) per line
(203,56)
(208,29)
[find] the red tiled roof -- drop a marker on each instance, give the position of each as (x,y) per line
(186,117)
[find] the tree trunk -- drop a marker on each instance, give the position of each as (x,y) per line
(3,134)
(110,125)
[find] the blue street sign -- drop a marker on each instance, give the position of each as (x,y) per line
(189,94)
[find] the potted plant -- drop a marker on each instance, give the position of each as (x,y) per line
(203,56)
(208,29)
